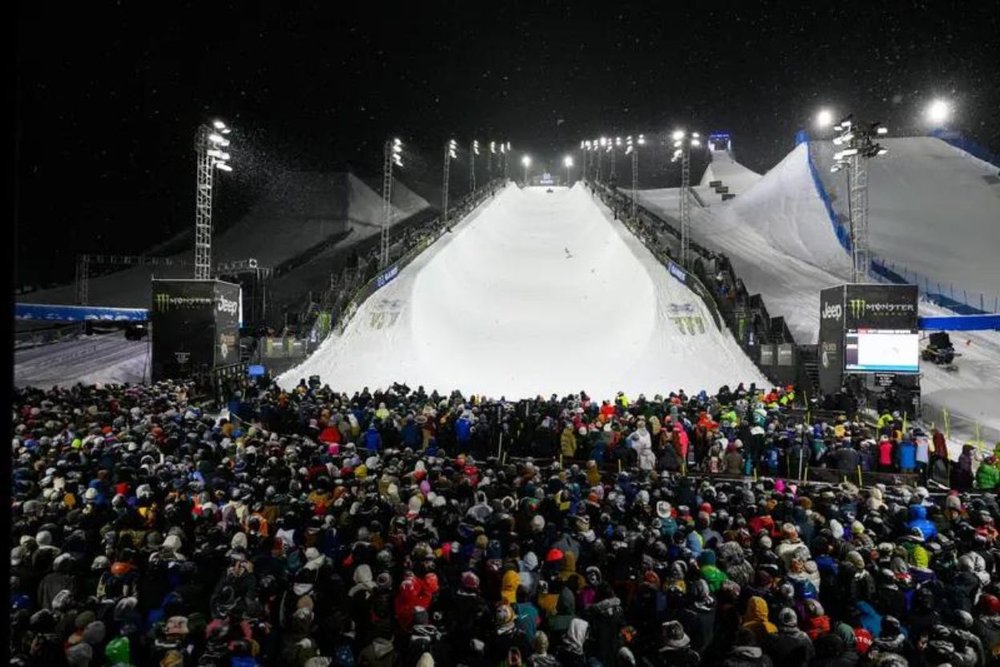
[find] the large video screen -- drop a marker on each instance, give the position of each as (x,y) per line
(882,351)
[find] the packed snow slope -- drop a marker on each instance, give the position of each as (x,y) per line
(933,209)
(777,236)
(302,210)
(106,358)
(733,175)
(533,293)
(782,243)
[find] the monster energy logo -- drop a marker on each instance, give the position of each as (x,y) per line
(857,307)
(860,307)
(165,302)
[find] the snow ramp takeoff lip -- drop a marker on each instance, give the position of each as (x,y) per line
(534,292)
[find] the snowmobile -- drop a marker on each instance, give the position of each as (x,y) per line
(940,351)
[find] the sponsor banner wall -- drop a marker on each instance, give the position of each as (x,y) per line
(227,323)
(195,327)
(830,349)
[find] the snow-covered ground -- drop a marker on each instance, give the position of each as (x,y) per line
(733,175)
(781,242)
(106,358)
(534,293)
(933,210)
(301,211)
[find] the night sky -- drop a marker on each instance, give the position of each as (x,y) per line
(110,93)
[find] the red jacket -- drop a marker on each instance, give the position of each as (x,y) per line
(885,452)
(330,435)
(940,446)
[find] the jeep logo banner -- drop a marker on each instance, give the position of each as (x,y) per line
(831,340)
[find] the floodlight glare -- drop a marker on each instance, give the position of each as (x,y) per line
(677,135)
(568,161)
(824,118)
(218,139)
(938,112)
(695,143)
(218,124)
(642,140)
(882,130)
(223,166)
(526,160)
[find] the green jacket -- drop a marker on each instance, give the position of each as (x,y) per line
(714,576)
(987,477)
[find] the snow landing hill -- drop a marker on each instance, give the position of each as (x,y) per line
(932,208)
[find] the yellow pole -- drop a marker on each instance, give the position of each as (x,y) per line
(904,423)
(806,478)
(755,473)
(619,466)
(860,478)
(947,423)
(560,460)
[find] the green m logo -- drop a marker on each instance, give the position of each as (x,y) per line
(162,301)
(857,307)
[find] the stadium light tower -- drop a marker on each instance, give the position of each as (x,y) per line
(490,158)
(938,112)
(209,142)
(392,156)
(858,145)
(473,152)
(633,148)
(614,157)
(583,159)
(683,143)
(450,153)
(568,163)
(602,144)
(526,161)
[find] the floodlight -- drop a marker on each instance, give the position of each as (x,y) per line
(223,166)
(824,118)
(568,161)
(677,135)
(526,160)
(938,112)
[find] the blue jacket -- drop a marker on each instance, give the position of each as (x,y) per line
(907,455)
(871,620)
(463,430)
(918,519)
(411,435)
(373,441)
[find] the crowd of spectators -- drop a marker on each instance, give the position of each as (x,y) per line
(306,527)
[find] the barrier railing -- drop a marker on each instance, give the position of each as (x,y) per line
(342,300)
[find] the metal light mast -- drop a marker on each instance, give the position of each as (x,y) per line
(489,160)
(633,148)
(614,158)
(473,152)
(603,143)
(449,155)
(583,159)
(392,156)
(683,143)
(208,143)
(861,146)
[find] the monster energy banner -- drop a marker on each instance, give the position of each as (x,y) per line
(195,327)
(830,350)
(880,307)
